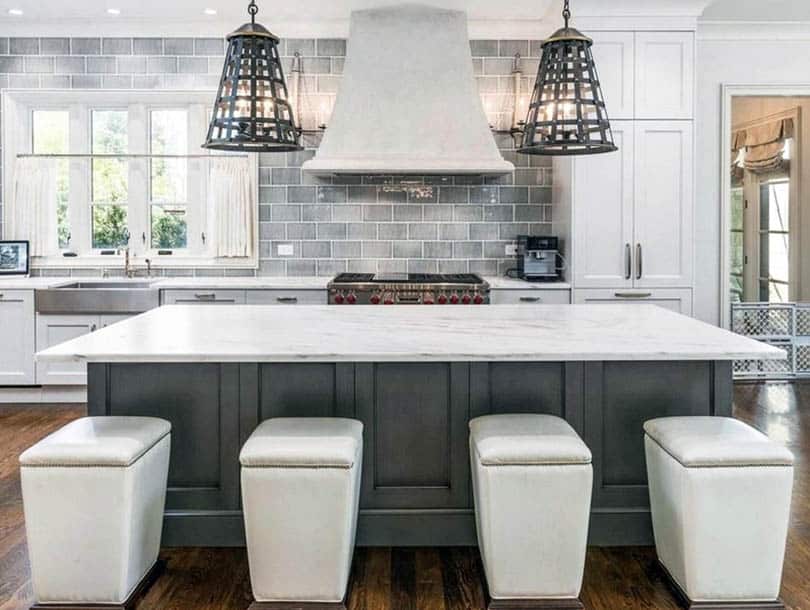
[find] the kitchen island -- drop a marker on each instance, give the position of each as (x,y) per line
(414,376)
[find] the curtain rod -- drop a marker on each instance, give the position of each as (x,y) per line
(127,156)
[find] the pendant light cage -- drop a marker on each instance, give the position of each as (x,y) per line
(252,110)
(567,114)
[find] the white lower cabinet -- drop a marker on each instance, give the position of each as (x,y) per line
(55,329)
(16,337)
(529,297)
(675,299)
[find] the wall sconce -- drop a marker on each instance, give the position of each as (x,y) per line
(519,103)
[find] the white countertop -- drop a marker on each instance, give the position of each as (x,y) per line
(320,333)
(245,283)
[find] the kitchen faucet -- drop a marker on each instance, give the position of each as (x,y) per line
(128,270)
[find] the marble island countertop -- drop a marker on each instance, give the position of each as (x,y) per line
(250,333)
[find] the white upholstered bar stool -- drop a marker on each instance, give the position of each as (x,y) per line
(93,497)
(532,478)
(720,500)
(300,493)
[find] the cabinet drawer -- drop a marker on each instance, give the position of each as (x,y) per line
(203,297)
(674,299)
(530,297)
(286,297)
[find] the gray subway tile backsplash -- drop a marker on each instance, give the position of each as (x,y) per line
(355,223)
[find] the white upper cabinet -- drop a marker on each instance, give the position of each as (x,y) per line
(614,56)
(664,75)
(663,207)
(16,337)
(603,214)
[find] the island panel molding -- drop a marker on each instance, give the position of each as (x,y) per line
(416,474)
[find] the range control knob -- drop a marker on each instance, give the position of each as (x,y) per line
(442,299)
(466,299)
(478,299)
(454,299)
(375,299)
(427,299)
(388,300)
(339,298)
(351,299)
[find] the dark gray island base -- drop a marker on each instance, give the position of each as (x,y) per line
(416,472)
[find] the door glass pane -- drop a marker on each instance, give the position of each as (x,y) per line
(51,135)
(778,257)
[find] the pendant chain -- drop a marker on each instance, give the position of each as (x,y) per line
(566,13)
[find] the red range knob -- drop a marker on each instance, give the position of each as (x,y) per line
(351,299)
(442,299)
(388,301)
(339,299)
(375,299)
(427,301)
(454,299)
(466,299)
(478,299)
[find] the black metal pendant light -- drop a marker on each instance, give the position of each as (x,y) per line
(567,113)
(252,111)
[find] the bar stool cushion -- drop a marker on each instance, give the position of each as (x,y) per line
(295,442)
(700,442)
(98,441)
(526,440)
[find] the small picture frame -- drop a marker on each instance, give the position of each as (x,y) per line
(14,257)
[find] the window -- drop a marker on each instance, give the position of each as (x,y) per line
(51,129)
(144,184)
(774,238)
(110,179)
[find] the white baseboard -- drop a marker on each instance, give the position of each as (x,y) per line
(44,394)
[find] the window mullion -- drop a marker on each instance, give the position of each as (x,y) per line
(79,195)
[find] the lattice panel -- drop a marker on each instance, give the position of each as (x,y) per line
(803,359)
(766,368)
(763,320)
(803,320)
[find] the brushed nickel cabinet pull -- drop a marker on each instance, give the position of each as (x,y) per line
(530,299)
(93,328)
(287,299)
(638,261)
(632,295)
(628,262)
(206,297)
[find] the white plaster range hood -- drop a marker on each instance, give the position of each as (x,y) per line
(408,102)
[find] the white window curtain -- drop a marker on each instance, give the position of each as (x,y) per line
(231,207)
(34,207)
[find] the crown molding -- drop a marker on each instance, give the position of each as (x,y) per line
(762,31)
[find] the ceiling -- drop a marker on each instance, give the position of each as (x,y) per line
(330,17)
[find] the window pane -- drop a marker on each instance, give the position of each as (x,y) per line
(778,199)
(169,136)
(110,176)
(169,227)
(51,135)
(110,226)
(778,257)
(737,209)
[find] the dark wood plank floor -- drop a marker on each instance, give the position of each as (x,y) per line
(421,578)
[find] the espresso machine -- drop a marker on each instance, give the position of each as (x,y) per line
(538,258)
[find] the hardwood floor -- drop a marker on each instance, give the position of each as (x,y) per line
(414,578)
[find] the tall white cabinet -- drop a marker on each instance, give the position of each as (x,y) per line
(627,218)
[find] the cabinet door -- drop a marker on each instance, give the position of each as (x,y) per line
(203,297)
(663,207)
(55,329)
(677,300)
(614,56)
(16,337)
(106,320)
(665,75)
(603,214)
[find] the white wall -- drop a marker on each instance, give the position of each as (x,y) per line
(730,61)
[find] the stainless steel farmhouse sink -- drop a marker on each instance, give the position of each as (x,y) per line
(90,296)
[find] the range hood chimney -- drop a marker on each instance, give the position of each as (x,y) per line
(408,102)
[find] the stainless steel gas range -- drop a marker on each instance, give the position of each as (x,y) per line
(408,289)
